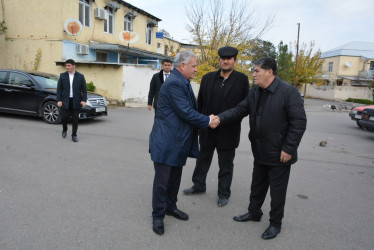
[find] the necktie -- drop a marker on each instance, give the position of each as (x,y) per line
(166,76)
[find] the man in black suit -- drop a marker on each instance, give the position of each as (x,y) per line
(219,91)
(277,123)
(156,82)
(71,97)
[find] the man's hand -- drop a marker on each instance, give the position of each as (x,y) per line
(214,121)
(285,157)
(149,107)
(59,104)
(83,104)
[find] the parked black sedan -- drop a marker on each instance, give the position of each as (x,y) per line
(34,93)
(367,119)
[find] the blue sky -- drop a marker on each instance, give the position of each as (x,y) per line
(330,23)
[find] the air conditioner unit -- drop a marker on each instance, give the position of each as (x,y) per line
(100,13)
(82,49)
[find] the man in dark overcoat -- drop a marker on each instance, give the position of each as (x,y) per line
(156,83)
(174,138)
(219,91)
(71,97)
(277,123)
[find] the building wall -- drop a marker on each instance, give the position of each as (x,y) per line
(344,66)
(106,78)
(136,80)
(337,92)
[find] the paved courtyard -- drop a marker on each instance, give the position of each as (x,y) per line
(96,194)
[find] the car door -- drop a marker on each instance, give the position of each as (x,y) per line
(20,95)
(3,87)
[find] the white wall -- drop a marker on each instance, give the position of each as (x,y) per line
(338,92)
(136,80)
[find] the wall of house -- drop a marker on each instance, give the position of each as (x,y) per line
(106,78)
(136,80)
(341,66)
(23,55)
(40,21)
(337,92)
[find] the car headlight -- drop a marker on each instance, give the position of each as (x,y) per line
(88,103)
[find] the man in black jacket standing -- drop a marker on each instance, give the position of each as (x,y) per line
(156,82)
(71,97)
(277,123)
(219,91)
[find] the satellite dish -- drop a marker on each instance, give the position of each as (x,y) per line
(348,64)
(128,36)
(73,27)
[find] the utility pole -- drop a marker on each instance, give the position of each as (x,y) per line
(297,53)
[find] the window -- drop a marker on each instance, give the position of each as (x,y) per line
(128,23)
(101,57)
(109,23)
(148,38)
(19,79)
(166,50)
(2,77)
(371,65)
(85,12)
(330,66)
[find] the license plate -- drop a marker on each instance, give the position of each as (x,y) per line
(100,109)
(358,116)
(371,118)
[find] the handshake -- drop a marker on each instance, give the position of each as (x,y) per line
(214,121)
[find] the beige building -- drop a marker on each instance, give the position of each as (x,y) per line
(102,36)
(351,64)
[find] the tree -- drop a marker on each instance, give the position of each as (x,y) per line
(217,23)
(3,27)
(285,64)
(309,65)
(262,48)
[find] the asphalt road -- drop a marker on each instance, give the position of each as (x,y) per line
(96,194)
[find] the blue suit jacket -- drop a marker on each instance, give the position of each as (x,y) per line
(174,134)
(79,90)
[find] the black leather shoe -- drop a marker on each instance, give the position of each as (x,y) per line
(158,227)
(63,134)
(74,138)
(178,214)
(192,190)
(246,217)
(271,232)
(222,201)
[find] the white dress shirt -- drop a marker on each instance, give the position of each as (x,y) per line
(71,78)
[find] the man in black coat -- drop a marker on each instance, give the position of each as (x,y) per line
(219,91)
(156,83)
(71,97)
(277,123)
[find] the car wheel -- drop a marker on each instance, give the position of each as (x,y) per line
(358,124)
(51,113)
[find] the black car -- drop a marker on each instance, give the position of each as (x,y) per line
(367,119)
(34,93)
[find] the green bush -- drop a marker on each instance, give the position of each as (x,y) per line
(91,87)
(363,101)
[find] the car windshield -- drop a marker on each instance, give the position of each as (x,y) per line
(46,82)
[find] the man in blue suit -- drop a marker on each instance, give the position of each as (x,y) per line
(174,137)
(71,97)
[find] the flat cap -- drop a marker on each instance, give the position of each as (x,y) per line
(227,51)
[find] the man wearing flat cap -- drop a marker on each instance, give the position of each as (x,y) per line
(219,91)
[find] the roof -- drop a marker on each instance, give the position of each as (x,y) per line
(127,50)
(130,6)
(359,49)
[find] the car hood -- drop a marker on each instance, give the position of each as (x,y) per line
(364,107)
(89,94)
(93,95)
